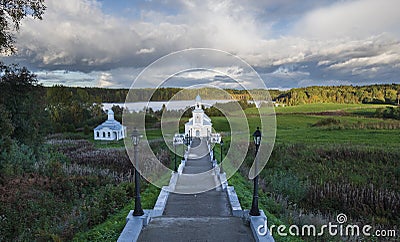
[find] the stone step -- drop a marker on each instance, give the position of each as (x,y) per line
(196,229)
(196,169)
(201,163)
(211,203)
(195,183)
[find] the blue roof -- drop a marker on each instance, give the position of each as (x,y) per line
(111,124)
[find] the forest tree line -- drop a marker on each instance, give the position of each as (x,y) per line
(107,95)
(374,94)
(379,94)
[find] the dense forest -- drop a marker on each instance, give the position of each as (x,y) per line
(383,93)
(103,95)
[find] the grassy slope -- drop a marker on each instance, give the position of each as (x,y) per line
(111,229)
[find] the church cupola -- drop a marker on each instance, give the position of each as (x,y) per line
(198,102)
(110,114)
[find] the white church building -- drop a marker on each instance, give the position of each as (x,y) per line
(111,129)
(200,124)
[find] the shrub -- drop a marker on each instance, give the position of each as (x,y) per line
(364,201)
(68,128)
(388,112)
(288,184)
(19,159)
(86,130)
(326,122)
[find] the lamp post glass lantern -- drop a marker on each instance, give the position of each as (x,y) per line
(138,211)
(257,141)
(254,205)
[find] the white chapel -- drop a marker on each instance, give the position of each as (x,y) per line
(200,124)
(111,129)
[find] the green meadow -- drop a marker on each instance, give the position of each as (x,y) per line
(298,124)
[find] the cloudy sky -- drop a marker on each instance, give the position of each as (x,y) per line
(290,43)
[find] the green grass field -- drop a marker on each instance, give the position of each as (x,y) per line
(324,107)
(321,107)
(295,125)
(298,129)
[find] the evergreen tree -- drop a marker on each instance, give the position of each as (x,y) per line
(22,98)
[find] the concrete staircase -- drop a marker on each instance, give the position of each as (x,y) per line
(207,215)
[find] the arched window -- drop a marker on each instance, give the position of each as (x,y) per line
(97,134)
(109,135)
(104,134)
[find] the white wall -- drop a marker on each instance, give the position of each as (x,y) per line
(201,128)
(113,135)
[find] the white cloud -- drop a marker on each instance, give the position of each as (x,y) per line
(199,74)
(76,33)
(309,82)
(382,59)
(68,78)
(344,19)
(105,79)
(145,51)
(289,71)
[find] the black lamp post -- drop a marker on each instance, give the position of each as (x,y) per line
(175,169)
(221,170)
(213,151)
(138,206)
(254,205)
(183,146)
